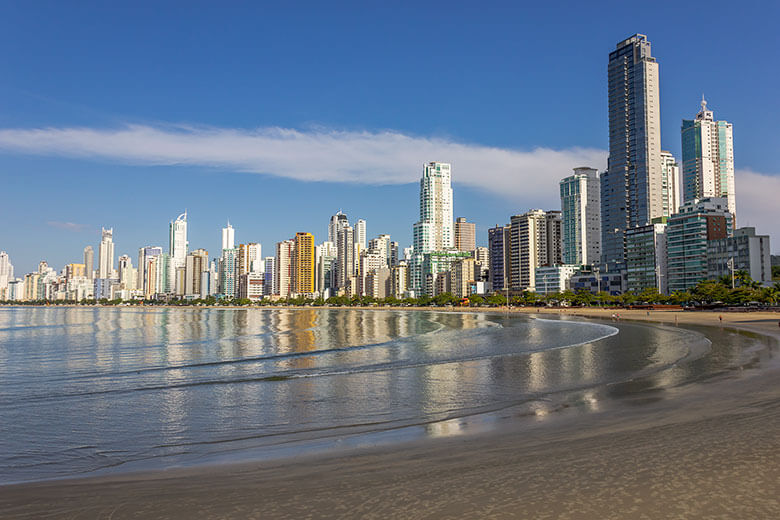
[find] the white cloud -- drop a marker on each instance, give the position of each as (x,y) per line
(758,203)
(319,155)
(527,177)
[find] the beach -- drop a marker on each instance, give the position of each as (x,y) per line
(706,450)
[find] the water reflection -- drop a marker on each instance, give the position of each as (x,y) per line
(128,382)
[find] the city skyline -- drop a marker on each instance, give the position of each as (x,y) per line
(503,168)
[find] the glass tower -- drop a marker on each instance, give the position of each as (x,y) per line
(631,188)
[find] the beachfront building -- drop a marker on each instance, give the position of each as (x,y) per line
(688,235)
(535,241)
(465,235)
(555,278)
(708,159)
(177,251)
(345,246)
(89,261)
(462,275)
(594,280)
(745,251)
(434,230)
(435,267)
(251,286)
(196,263)
(106,254)
(303,268)
(631,187)
(671,187)
(285,251)
(325,258)
(499,247)
(646,265)
(581,217)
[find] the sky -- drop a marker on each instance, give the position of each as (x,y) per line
(123,115)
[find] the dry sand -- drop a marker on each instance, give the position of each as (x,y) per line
(712,451)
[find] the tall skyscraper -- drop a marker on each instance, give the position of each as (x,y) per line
(89,262)
(499,244)
(128,276)
(631,186)
(197,263)
(228,237)
(106,254)
(6,274)
(581,217)
(345,268)
(671,193)
(360,234)
(433,232)
(285,251)
(337,223)
(708,158)
(535,242)
(465,235)
(303,264)
(177,250)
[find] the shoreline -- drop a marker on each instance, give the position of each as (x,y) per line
(597,465)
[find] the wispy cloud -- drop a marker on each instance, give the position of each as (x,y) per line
(68,226)
(527,177)
(386,157)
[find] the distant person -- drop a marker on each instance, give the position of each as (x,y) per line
(720,318)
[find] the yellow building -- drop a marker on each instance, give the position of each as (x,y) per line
(74,271)
(303,264)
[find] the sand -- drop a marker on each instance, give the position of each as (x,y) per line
(710,451)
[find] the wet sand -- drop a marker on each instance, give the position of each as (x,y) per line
(709,450)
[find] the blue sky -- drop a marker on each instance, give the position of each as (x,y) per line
(276,118)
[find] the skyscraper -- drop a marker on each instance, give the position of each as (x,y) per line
(345,245)
(106,254)
(708,158)
(433,232)
(499,240)
(228,237)
(670,192)
(337,222)
(6,274)
(535,242)
(631,186)
(89,262)
(284,267)
(581,217)
(465,235)
(177,250)
(360,234)
(303,269)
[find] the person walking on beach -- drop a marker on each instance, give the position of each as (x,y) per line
(720,318)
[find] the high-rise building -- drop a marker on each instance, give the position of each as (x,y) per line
(197,263)
(228,237)
(303,269)
(535,242)
(631,186)
(337,222)
(285,251)
(465,235)
(646,257)
(499,245)
(345,269)
(708,158)
(688,234)
(360,234)
(6,275)
(581,217)
(325,256)
(745,251)
(128,275)
(433,232)
(89,262)
(149,279)
(106,254)
(270,276)
(250,258)
(671,187)
(177,251)
(227,273)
